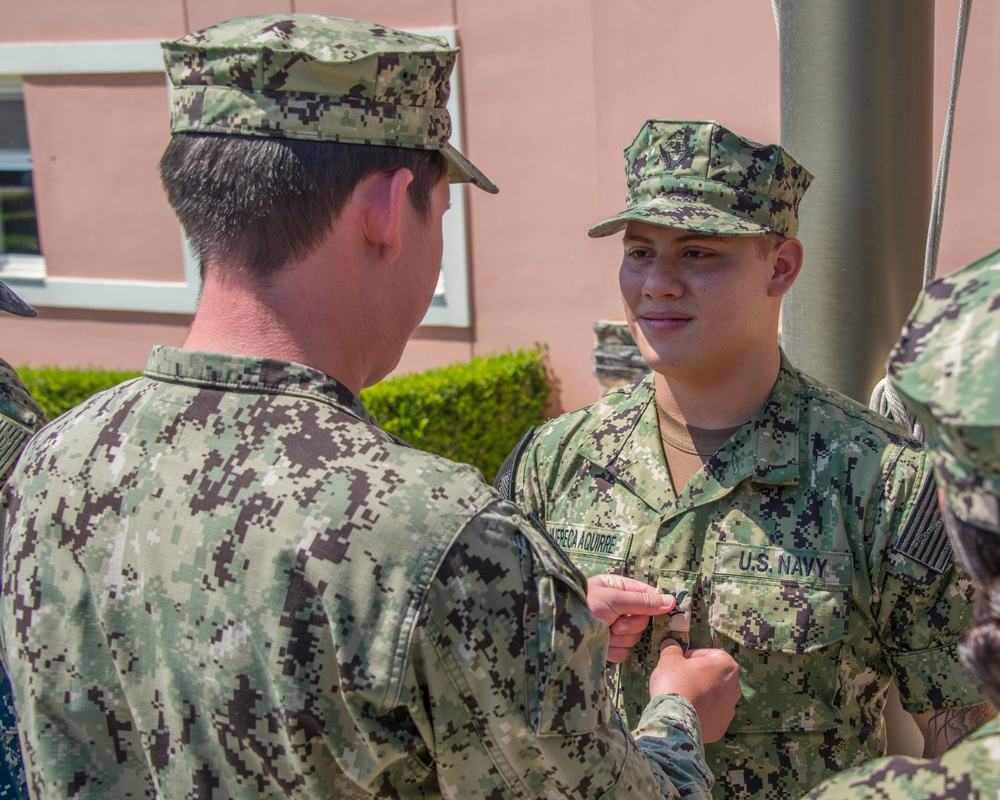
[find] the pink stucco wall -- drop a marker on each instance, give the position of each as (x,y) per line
(552,92)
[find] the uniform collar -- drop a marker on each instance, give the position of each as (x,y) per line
(250,374)
(626,442)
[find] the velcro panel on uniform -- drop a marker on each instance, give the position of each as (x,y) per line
(924,539)
(13,436)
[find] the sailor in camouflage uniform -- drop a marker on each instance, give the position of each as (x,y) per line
(20,417)
(946,368)
(223,579)
(797,529)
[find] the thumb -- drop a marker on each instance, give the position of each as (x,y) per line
(671,649)
(636,603)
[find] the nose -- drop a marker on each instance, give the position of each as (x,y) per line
(662,280)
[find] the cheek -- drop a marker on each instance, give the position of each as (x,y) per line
(629,283)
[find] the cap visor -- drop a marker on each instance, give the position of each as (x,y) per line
(461,170)
(13,304)
(683,214)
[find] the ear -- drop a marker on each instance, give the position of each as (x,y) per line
(787,262)
(383,198)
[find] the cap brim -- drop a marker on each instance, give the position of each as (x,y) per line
(461,170)
(13,304)
(682,213)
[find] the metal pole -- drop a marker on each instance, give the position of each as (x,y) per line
(856,109)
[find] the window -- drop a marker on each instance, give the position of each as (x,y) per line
(19,242)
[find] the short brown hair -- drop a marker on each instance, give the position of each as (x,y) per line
(263,202)
(767,242)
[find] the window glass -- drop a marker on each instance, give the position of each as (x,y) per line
(13,125)
(18,218)
(18,221)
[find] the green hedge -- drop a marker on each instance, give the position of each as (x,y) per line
(473,412)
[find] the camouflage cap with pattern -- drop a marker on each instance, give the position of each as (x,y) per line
(699,176)
(303,76)
(13,304)
(946,367)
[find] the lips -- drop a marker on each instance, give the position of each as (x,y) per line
(663,322)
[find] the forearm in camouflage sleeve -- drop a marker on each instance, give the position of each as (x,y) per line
(669,733)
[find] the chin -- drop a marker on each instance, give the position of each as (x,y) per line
(659,360)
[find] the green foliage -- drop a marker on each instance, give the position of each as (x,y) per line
(473,412)
(58,390)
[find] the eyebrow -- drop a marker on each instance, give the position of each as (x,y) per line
(686,239)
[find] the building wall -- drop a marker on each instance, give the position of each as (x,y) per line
(551,94)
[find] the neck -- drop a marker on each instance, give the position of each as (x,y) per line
(720,401)
(286,317)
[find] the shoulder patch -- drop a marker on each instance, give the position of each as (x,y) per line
(924,539)
(13,437)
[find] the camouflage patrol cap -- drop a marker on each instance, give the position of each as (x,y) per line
(698,176)
(946,367)
(303,76)
(13,304)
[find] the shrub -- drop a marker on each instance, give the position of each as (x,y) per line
(473,412)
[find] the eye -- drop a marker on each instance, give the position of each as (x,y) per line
(696,254)
(639,253)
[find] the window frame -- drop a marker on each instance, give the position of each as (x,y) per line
(27,274)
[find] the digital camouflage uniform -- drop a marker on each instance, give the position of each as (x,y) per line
(809,547)
(20,417)
(224,579)
(945,368)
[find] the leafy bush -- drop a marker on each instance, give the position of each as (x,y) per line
(473,412)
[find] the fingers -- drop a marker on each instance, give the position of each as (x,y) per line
(626,605)
(629,603)
(708,678)
(613,596)
(621,643)
(623,584)
(628,626)
(618,655)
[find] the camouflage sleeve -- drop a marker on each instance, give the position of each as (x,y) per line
(923,598)
(898,777)
(510,664)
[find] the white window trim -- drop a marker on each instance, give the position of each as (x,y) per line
(27,274)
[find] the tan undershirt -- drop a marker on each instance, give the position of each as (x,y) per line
(687,448)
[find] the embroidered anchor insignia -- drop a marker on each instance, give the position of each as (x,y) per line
(679,597)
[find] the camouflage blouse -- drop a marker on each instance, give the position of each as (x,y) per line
(809,547)
(223,579)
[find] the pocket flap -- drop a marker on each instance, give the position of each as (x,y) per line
(777,599)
